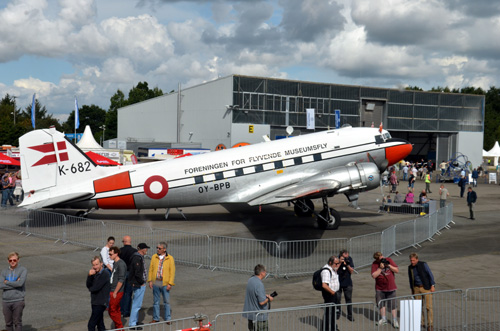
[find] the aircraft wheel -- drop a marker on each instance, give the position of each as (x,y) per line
(304,208)
(330,221)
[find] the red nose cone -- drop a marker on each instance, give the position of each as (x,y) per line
(395,154)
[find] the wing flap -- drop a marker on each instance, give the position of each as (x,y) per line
(298,190)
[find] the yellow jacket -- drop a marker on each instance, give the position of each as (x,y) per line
(168,269)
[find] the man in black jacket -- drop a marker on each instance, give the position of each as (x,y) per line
(137,278)
(421,282)
(99,287)
(471,202)
(126,253)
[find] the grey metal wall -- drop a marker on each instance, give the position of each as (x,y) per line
(150,120)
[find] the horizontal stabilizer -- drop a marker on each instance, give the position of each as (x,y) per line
(31,202)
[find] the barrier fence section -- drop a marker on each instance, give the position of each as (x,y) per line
(483,308)
(301,256)
(446,310)
(188,323)
(229,253)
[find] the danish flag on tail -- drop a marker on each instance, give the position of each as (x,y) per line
(52,153)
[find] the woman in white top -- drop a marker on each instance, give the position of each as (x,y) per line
(105,254)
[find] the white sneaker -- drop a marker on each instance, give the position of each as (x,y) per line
(395,324)
(382,321)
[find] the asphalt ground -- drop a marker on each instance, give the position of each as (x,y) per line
(463,257)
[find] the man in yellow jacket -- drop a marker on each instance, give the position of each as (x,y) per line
(428,183)
(161,279)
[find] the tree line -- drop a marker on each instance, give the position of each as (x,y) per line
(14,121)
(96,116)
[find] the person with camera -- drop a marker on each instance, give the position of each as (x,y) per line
(256,300)
(331,285)
(344,271)
(421,282)
(383,271)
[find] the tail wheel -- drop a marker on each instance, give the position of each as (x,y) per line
(304,208)
(329,219)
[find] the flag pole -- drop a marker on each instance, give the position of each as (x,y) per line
(77,117)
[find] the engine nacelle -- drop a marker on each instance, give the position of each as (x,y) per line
(357,178)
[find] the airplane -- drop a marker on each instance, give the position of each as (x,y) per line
(57,174)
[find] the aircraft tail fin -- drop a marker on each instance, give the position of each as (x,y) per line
(49,160)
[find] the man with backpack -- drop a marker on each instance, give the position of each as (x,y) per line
(330,286)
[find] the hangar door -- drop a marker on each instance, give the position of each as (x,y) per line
(372,112)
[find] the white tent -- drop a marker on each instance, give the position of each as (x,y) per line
(494,153)
(87,142)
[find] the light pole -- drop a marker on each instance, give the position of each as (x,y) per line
(103,127)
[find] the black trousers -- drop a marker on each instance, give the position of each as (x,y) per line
(329,322)
(97,318)
(348,299)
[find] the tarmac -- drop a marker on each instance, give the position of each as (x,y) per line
(465,256)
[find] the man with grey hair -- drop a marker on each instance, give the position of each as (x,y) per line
(330,294)
(161,277)
(99,287)
(256,299)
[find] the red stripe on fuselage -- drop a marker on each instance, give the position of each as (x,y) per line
(112,183)
(121,202)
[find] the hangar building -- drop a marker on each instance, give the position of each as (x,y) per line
(241,109)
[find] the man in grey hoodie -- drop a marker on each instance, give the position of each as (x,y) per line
(12,281)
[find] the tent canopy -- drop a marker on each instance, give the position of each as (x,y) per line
(7,160)
(87,141)
(101,160)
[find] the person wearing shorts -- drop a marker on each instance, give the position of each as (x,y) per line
(383,271)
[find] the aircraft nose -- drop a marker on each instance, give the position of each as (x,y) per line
(394,154)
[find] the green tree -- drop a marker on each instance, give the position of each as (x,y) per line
(413,88)
(491,118)
(9,118)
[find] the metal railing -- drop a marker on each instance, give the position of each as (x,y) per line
(284,259)
(472,309)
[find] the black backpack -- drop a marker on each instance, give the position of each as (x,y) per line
(317,281)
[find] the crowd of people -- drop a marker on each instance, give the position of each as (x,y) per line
(118,280)
(12,188)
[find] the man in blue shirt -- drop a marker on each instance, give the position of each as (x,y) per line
(344,271)
(256,299)
(422,282)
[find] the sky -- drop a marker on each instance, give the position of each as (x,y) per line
(60,49)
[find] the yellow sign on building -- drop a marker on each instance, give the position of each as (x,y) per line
(250,129)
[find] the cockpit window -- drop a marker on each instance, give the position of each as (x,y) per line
(387,135)
(379,139)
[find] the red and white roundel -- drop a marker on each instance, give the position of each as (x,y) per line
(156,187)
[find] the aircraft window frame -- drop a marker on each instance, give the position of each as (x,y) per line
(379,139)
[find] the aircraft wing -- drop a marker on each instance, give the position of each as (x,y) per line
(299,190)
(31,201)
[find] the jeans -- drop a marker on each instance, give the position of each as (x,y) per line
(13,313)
(348,298)
(5,197)
(157,291)
(138,296)
(442,203)
(97,318)
(127,297)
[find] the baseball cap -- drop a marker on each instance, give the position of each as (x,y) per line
(142,246)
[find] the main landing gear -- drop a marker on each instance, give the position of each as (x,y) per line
(82,213)
(328,218)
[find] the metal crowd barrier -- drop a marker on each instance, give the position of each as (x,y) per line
(173,325)
(284,259)
(482,308)
(472,309)
(447,313)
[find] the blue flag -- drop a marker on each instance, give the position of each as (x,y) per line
(33,111)
(77,116)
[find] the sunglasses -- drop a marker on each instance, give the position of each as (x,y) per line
(111,254)
(13,260)
(159,247)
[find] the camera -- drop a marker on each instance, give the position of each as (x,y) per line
(385,262)
(272,295)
